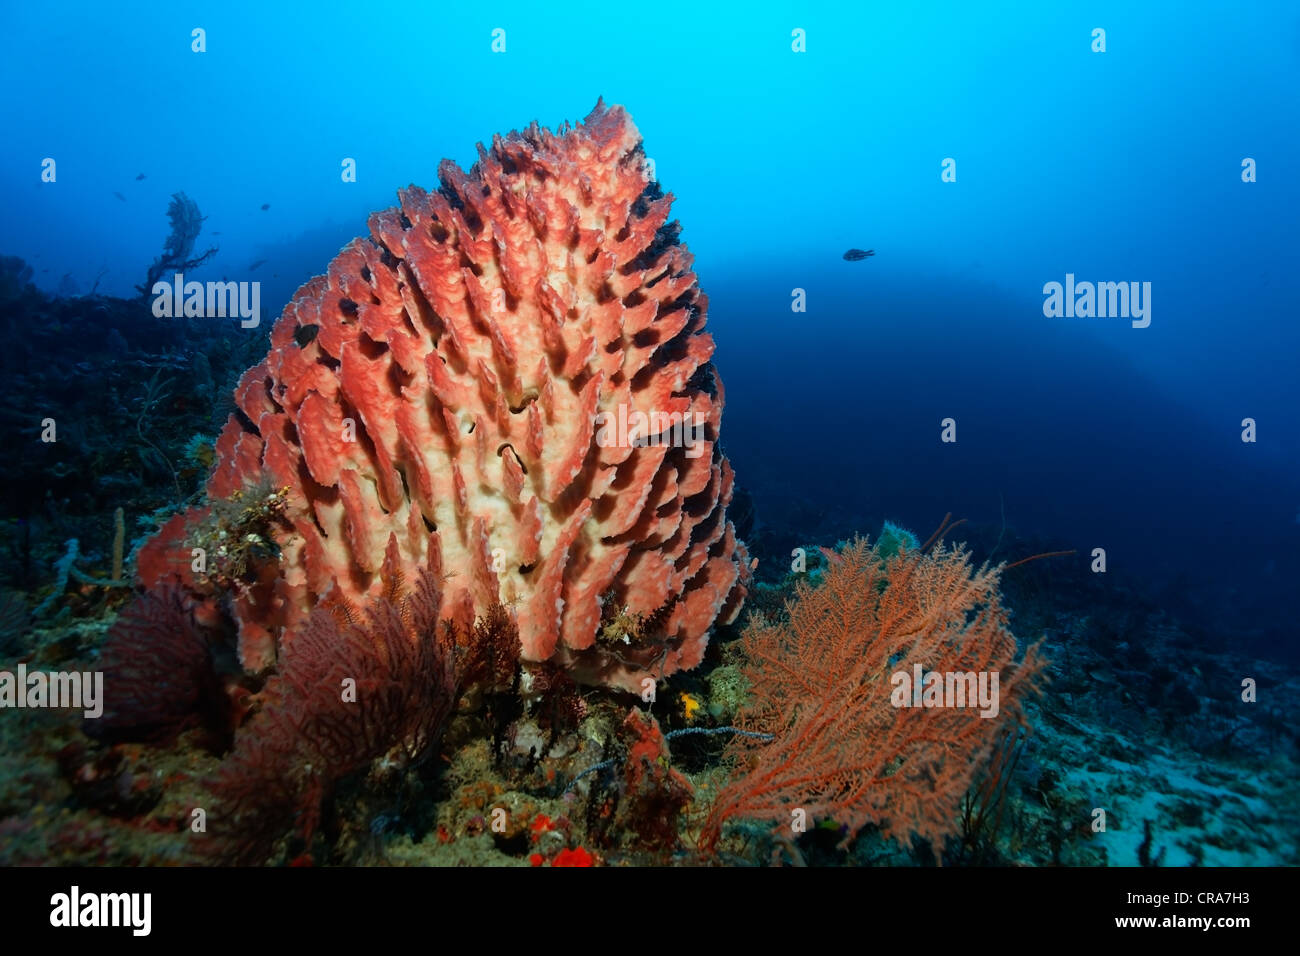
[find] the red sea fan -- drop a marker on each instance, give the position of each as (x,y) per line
(353,687)
(511,378)
(159,674)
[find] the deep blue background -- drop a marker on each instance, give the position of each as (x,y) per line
(1116,166)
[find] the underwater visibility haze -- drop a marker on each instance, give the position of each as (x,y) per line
(837,435)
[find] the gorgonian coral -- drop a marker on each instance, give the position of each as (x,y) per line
(353,688)
(845,743)
(510,379)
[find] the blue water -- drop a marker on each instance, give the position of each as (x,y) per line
(1117,166)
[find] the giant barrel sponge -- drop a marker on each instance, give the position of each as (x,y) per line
(445,397)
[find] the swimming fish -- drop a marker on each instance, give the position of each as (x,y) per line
(120,196)
(256,264)
(853,255)
(265,206)
(140,177)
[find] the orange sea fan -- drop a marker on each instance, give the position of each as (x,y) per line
(821,685)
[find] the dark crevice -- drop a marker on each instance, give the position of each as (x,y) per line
(519,461)
(651,193)
(666,236)
(704,380)
(683,301)
(467,263)
(314,493)
(399,379)
(370,348)
(448,192)
(246,423)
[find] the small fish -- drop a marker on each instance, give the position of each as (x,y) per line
(853,255)
(256,264)
(120,196)
(140,177)
(265,206)
(216,233)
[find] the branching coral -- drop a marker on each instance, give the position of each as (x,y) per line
(160,674)
(353,687)
(187,223)
(822,684)
(452,383)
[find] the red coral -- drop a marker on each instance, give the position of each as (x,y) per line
(492,378)
(654,795)
(821,685)
(351,688)
(578,857)
(160,677)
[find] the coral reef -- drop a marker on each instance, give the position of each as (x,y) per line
(653,795)
(162,675)
(452,384)
(352,687)
(822,684)
(103,398)
(451,520)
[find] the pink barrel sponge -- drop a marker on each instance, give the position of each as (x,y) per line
(507,381)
